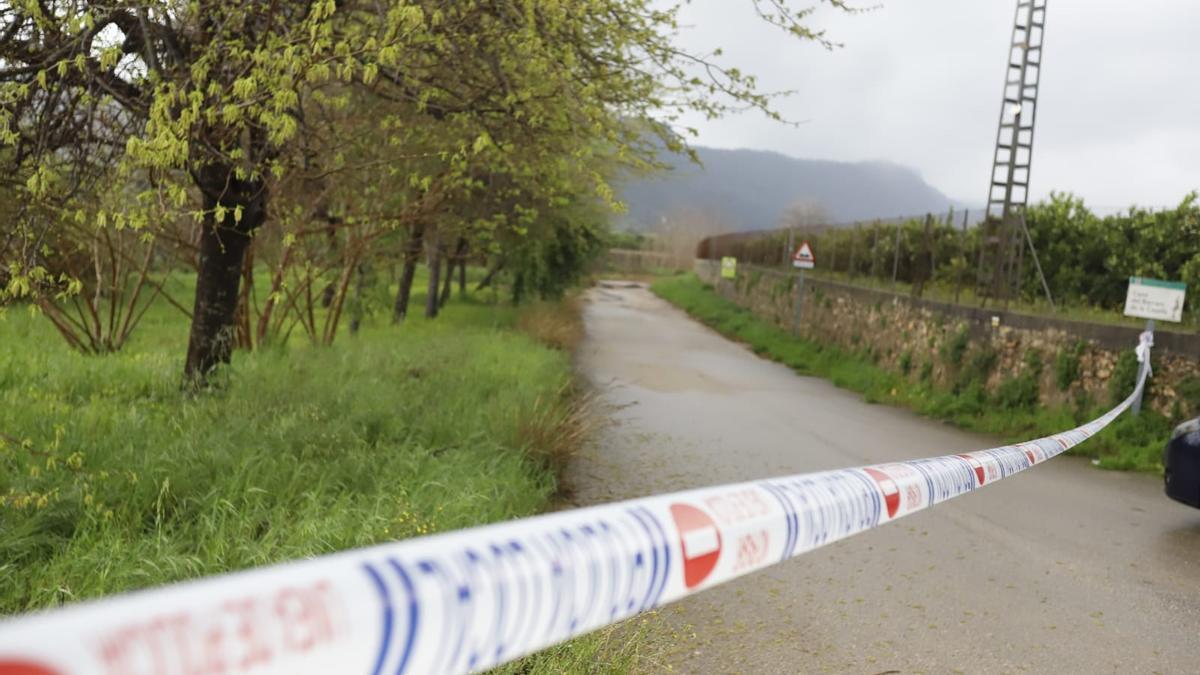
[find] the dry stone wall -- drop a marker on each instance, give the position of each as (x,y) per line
(1056,361)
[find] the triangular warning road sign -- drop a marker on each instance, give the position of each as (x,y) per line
(803,257)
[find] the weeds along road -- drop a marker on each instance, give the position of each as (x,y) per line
(1062,568)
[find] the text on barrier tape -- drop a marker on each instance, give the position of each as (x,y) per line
(469,600)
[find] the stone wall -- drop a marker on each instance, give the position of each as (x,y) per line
(1070,361)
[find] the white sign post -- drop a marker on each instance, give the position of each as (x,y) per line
(1152,299)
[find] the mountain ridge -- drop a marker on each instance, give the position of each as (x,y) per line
(752,189)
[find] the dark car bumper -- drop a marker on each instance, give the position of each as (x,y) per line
(1181,464)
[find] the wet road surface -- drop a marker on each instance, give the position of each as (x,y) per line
(1062,568)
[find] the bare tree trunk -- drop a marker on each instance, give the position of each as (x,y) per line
(460,259)
(359,282)
(435,268)
(339,298)
(331,237)
(264,319)
(447,283)
(412,254)
(245,337)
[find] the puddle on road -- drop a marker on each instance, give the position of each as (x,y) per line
(666,379)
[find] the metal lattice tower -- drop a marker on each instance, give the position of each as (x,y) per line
(1006,235)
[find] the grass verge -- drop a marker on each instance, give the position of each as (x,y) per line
(1130,443)
(112,480)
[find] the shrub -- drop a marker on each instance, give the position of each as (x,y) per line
(956,347)
(1082,407)
(982,363)
(1123,378)
(927,372)
(1188,403)
(1020,392)
(1023,391)
(752,281)
(1033,363)
(906,362)
(1066,366)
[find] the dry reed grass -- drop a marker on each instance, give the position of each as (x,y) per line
(555,324)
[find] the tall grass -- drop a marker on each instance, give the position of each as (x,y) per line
(1131,443)
(554,324)
(111,479)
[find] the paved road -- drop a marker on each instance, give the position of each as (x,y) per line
(1063,568)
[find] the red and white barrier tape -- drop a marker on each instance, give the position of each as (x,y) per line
(465,601)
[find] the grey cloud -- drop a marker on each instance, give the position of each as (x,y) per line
(918,82)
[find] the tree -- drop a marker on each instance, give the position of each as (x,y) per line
(201,100)
(804,214)
(207,109)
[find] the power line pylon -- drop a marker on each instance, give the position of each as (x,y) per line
(1005,231)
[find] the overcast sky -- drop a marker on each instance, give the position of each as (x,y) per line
(919,82)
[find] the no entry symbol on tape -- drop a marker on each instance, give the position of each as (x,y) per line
(700,540)
(891,491)
(977,466)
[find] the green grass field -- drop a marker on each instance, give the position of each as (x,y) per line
(1131,443)
(112,479)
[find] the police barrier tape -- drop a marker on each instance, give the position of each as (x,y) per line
(468,600)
